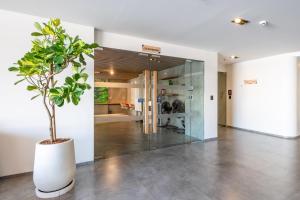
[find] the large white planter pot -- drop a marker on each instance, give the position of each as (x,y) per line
(54,168)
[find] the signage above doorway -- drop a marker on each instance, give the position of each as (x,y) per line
(151,49)
(250,82)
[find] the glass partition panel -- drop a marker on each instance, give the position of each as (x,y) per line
(119,117)
(180,96)
(196,101)
(172,113)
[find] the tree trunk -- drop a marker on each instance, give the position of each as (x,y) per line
(53,118)
(49,115)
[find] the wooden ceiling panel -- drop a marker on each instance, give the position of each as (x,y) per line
(130,63)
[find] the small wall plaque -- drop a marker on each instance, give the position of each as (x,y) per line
(250,82)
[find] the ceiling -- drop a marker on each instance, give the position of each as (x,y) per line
(129,64)
(202,24)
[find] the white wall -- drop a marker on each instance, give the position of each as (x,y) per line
(24,122)
(298,94)
(269,106)
(118,41)
(221,63)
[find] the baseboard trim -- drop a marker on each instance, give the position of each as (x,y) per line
(85,163)
(30,173)
(223,125)
(15,175)
(264,133)
(210,139)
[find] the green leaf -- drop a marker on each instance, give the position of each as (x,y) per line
(82,70)
(88,86)
(81,59)
(76,64)
(56,22)
(58,68)
(54,91)
(35,96)
(13,69)
(59,101)
(84,76)
(90,55)
(19,81)
(68,99)
(76,76)
(78,91)
(67,42)
(76,38)
(50,55)
(58,59)
(94,45)
(75,99)
(82,86)
(66,92)
(36,34)
(31,87)
(75,69)
(69,80)
(38,26)
(48,30)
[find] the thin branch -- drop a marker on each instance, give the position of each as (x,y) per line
(33,81)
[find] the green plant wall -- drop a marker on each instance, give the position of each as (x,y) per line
(101,95)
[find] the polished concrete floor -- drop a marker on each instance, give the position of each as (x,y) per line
(239,166)
(118,138)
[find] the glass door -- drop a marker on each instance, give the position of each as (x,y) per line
(175,114)
(119,91)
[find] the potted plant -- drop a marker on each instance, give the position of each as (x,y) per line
(52,52)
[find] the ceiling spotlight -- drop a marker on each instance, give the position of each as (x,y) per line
(233,57)
(111,72)
(263,23)
(239,21)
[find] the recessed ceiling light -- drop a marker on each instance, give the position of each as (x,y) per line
(111,72)
(234,57)
(263,23)
(239,21)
